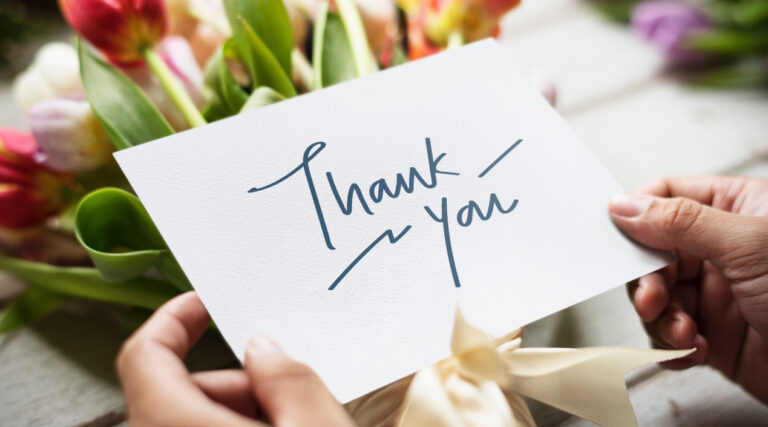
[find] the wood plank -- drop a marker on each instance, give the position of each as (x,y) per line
(590,59)
(534,15)
(60,372)
(671,129)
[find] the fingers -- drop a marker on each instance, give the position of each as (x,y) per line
(651,296)
(675,329)
(158,388)
(289,392)
(707,190)
(681,225)
(230,388)
(152,357)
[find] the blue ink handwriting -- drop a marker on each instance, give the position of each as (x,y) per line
(498,159)
(379,189)
(464,218)
(389,234)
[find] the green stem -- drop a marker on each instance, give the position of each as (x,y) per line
(318,39)
(173,88)
(353,23)
(87,283)
(303,69)
(455,39)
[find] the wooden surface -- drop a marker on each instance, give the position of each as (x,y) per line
(615,93)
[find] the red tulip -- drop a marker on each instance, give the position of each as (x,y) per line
(121,29)
(29,192)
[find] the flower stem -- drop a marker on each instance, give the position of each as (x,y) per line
(303,69)
(455,39)
(173,88)
(353,24)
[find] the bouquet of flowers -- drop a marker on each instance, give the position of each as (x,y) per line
(720,43)
(143,69)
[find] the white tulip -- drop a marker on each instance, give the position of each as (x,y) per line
(53,72)
(69,136)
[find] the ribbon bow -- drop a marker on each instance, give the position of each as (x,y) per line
(484,380)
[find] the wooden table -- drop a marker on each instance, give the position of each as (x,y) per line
(615,93)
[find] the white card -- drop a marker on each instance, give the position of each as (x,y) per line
(367,298)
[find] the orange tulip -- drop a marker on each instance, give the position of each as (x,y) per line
(432,22)
(29,192)
(121,29)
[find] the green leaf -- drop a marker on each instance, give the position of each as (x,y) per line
(123,242)
(260,97)
(399,57)
(29,307)
(729,42)
(332,57)
(269,20)
(87,283)
(616,10)
(267,70)
(223,95)
(730,76)
(124,111)
(358,42)
(744,13)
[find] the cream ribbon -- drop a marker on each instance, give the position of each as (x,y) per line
(484,380)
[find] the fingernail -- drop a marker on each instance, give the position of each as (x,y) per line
(260,345)
(628,205)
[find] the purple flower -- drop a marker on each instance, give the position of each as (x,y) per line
(667,23)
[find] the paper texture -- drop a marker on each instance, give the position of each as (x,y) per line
(464,186)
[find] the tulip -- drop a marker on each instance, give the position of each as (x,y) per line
(546,86)
(176,53)
(667,24)
(69,136)
(202,22)
(126,32)
(121,29)
(55,71)
(438,23)
(29,191)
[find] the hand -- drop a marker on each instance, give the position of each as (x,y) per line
(715,297)
(160,391)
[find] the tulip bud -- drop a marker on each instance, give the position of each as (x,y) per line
(29,192)
(121,29)
(546,86)
(69,136)
(667,24)
(54,72)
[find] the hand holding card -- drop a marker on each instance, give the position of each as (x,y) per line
(351,238)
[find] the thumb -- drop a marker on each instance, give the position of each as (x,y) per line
(683,225)
(290,393)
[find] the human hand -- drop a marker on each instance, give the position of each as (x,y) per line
(159,391)
(715,297)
